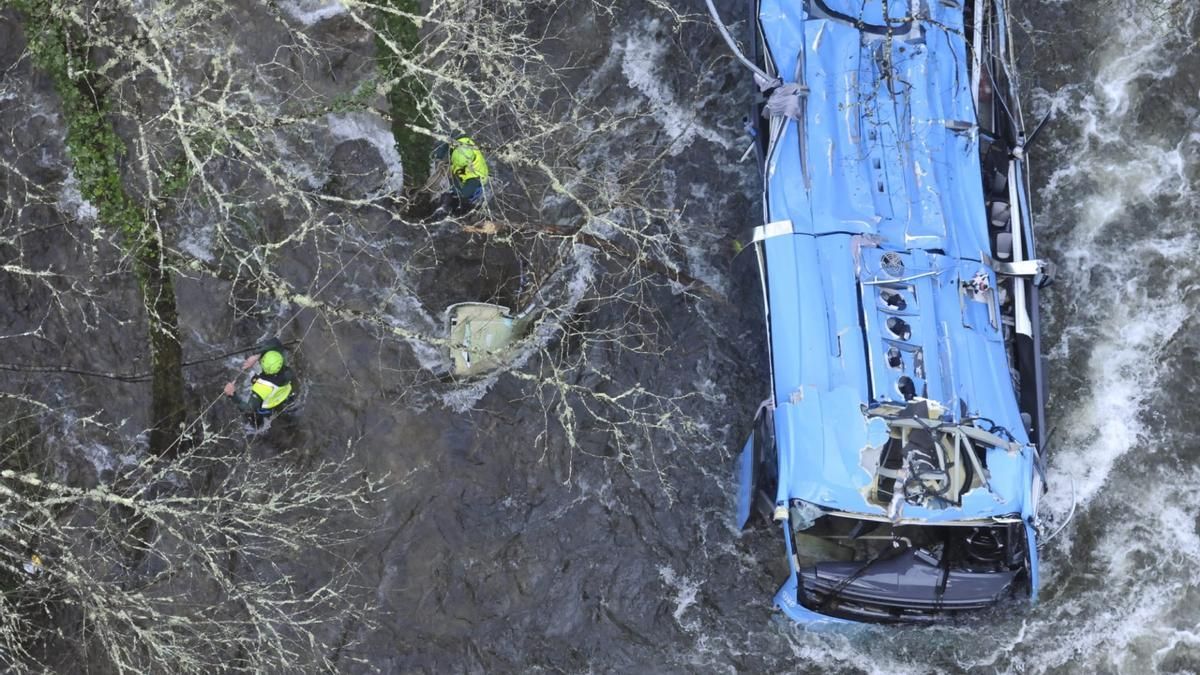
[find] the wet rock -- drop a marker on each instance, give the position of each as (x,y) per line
(12,40)
(355,169)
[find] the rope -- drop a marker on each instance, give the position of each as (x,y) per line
(280,329)
(122,377)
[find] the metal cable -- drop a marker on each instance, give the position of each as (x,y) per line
(765,79)
(1066,522)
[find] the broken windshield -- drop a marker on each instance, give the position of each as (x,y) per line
(875,570)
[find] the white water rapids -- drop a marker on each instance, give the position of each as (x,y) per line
(1116,206)
(1118,211)
(496,556)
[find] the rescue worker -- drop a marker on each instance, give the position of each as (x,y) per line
(468,173)
(270,390)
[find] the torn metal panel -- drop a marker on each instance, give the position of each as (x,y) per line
(897,268)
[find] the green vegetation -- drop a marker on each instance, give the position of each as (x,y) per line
(96,151)
(408,96)
(21,437)
(359,99)
(93,144)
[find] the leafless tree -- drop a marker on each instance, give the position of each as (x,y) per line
(249,172)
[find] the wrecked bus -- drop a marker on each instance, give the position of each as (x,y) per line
(898,447)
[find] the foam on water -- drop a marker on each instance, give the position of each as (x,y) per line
(1124,316)
(72,202)
(641,56)
(197,240)
(309,12)
(1140,583)
(297,164)
(685,589)
(408,313)
(373,129)
(104,460)
(1125,335)
(1115,592)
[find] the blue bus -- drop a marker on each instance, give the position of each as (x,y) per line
(898,448)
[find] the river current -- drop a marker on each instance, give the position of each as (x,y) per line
(631,581)
(497,551)
(615,572)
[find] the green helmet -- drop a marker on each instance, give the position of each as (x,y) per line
(271,362)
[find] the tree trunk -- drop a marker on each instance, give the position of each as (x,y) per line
(95,150)
(167,409)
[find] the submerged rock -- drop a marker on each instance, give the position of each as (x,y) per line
(356,169)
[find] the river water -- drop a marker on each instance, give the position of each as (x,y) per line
(497,550)
(613,572)
(509,566)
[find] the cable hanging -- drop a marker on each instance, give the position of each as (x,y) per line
(763,80)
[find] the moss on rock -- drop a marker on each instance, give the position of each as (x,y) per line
(408,97)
